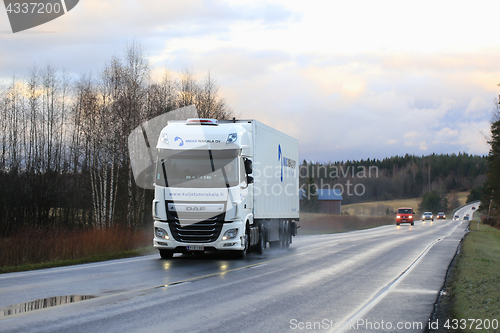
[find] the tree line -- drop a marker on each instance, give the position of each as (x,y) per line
(63,141)
(399,177)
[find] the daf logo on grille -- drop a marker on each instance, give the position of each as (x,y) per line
(195,209)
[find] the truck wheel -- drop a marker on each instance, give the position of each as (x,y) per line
(287,234)
(282,234)
(261,245)
(166,254)
(241,254)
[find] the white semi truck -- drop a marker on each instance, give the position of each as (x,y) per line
(224,186)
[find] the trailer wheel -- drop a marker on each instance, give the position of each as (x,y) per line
(287,234)
(261,245)
(166,254)
(284,235)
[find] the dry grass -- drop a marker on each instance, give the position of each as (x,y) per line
(36,246)
(326,223)
(462,197)
(379,208)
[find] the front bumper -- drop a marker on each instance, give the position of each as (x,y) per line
(236,243)
(404,219)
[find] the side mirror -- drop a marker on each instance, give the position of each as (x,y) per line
(249,180)
(248,167)
(413,213)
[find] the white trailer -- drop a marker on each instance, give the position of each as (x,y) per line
(224,186)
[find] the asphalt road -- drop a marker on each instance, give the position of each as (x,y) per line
(384,279)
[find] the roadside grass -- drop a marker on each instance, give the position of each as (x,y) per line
(475,283)
(328,223)
(37,248)
(61,263)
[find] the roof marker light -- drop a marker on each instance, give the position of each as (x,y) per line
(202,121)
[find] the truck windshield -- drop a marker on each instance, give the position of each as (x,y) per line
(197,168)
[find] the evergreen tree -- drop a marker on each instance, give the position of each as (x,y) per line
(433,202)
(310,201)
(475,194)
(490,200)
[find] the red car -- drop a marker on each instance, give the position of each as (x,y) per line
(441,216)
(405,215)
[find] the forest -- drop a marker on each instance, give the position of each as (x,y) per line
(397,177)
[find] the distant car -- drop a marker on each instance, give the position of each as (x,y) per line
(473,208)
(466,217)
(456,217)
(404,215)
(441,216)
(427,216)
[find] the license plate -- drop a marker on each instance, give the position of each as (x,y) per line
(195,248)
(404,220)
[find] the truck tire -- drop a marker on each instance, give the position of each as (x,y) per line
(241,254)
(287,235)
(261,245)
(166,254)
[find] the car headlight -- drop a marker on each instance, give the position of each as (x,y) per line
(161,233)
(230,234)
(398,217)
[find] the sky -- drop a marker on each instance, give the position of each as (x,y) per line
(350,79)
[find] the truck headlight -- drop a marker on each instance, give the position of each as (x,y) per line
(161,233)
(230,234)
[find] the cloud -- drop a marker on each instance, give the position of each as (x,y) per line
(476,107)
(96,30)
(337,76)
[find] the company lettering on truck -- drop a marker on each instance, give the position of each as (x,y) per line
(285,161)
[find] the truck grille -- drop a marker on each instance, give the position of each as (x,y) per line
(199,232)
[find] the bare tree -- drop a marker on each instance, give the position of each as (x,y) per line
(63,146)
